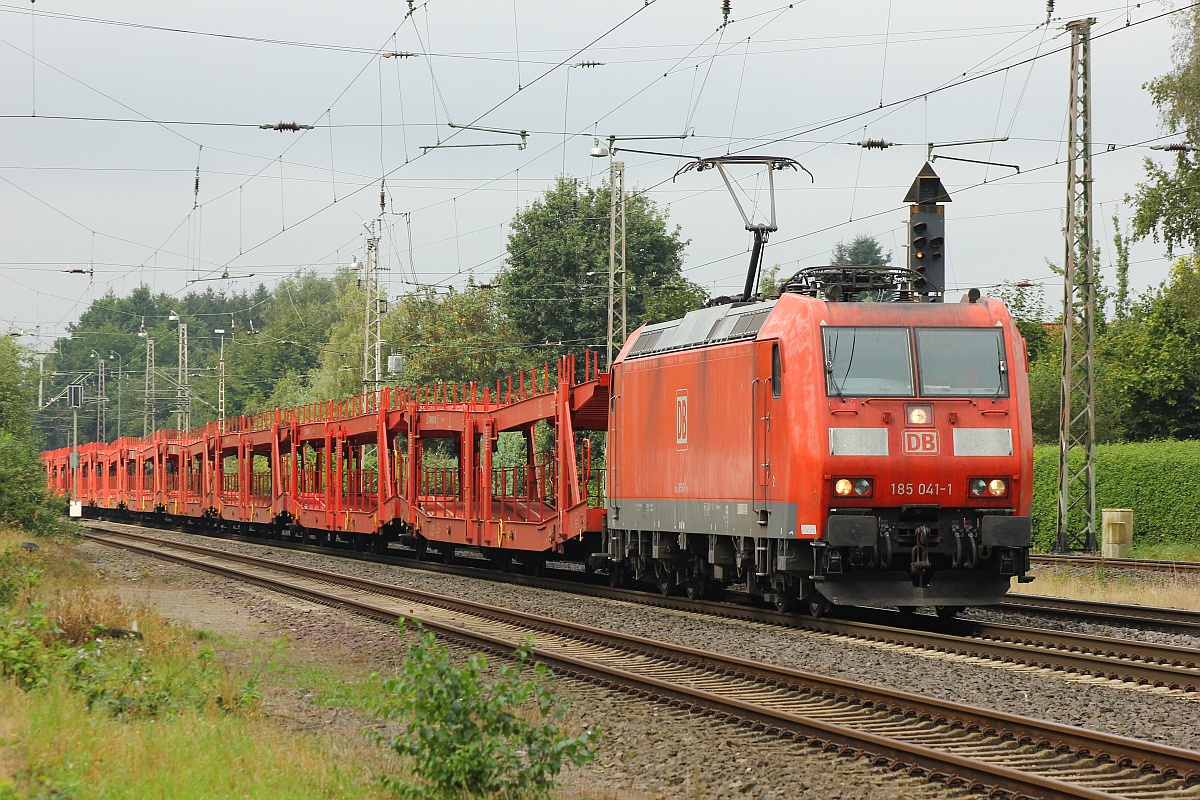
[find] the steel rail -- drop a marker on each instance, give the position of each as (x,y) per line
(1143,564)
(1139,662)
(1175,620)
(1119,760)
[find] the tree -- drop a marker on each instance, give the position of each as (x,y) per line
(1152,358)
(862,250)
(1121,245)
(266,363)
(1167,205)
(454,337)
(23,497)
(1027,305)
(554,286)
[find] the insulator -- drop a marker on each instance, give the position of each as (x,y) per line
(1179,147)
(726,7)
(874,144)
(288,126)
(1049,9)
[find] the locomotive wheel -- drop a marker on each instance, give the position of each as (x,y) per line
(948,612)
(785,596)
(666,584)
(694,589)
(819,607)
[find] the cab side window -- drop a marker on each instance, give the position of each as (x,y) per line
(776,371)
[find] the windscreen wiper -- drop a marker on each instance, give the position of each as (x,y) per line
(1003,367)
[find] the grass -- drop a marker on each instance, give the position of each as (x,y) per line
(65,749)
(163,716)
(1115,586)
(1166,551)
(180,713)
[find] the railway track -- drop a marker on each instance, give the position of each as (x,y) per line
(1146,664)
(964,746)
(1171,620)
(1142,564)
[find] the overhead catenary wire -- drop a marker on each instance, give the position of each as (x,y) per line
(291,166)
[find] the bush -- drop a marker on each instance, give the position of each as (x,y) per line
(24,657)
(18,574)
(1160,481)
(24,501)
(471,738)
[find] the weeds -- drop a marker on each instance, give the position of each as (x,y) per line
(469,737)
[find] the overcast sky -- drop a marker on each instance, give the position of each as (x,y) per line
(108,109)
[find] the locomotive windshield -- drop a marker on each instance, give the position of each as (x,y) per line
(876,362)
(962,362)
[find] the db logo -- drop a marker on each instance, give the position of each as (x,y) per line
(681,419)
(921,443)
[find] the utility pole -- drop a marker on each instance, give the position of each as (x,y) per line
(221,383)
(1077,415)
(617,324)
(75,402)
(101,420)
(373,316)
(148,410)
(183,412)
(113,354)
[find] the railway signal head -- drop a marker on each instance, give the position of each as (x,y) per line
(926,249)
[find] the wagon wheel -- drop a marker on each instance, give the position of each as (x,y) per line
(448,553)
(422,548)
(666,583)
(615,576)
(948,612)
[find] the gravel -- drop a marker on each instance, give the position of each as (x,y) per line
(647,751)
(1116,708)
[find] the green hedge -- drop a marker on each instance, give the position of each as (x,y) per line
(1160,481)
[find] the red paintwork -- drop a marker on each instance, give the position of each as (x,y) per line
(746,447)
(253,470)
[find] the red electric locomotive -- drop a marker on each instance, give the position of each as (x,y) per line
(825,451)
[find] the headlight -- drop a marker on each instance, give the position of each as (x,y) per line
(845,487)
(988,487)
(920,415)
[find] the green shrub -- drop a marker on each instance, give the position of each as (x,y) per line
(24,656)
(118,679)
(17,574)
(24,500)
(1160,481)
(469,737)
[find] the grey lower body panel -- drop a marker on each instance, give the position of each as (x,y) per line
(946,588)
(730,518)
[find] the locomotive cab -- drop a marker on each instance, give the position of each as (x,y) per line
(929,458)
